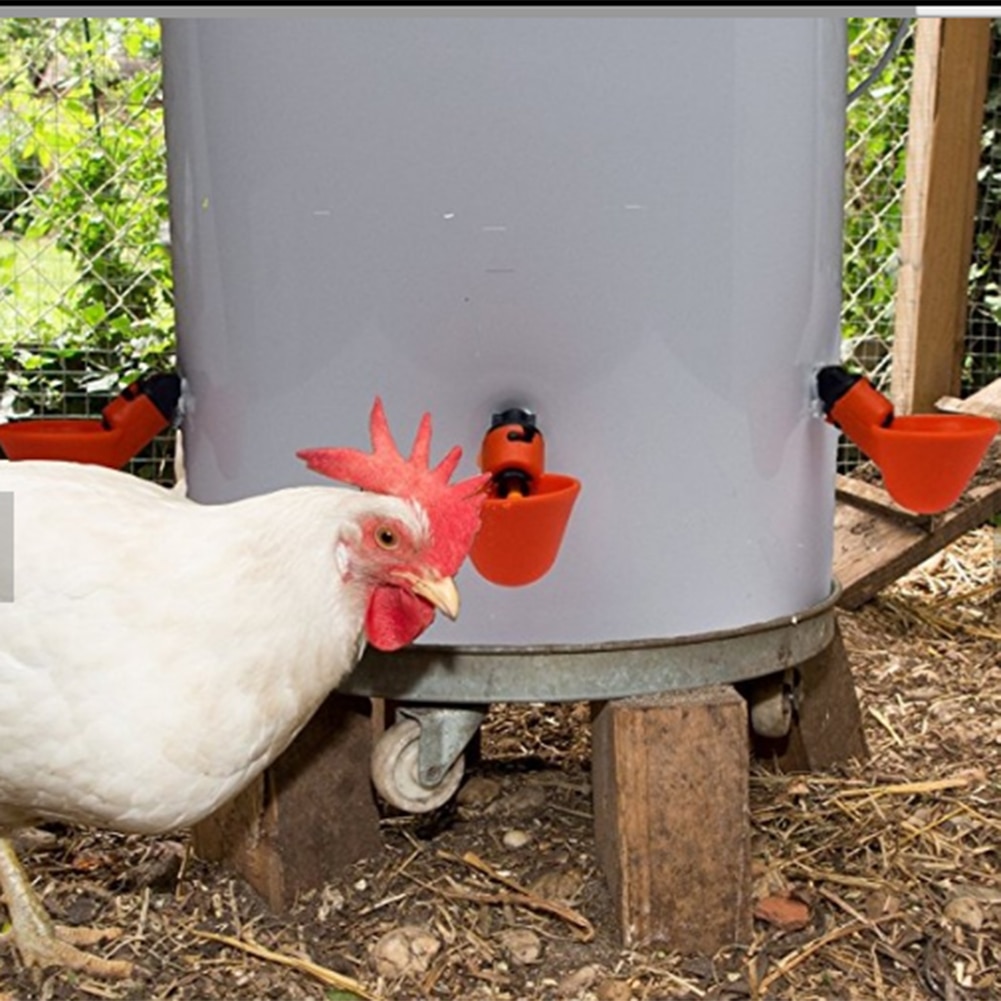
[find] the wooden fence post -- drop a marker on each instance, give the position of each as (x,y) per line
(943,151)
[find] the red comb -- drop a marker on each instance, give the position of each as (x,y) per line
(453,509)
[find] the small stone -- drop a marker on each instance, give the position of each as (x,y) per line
(965,911)
(406,951)
(516,838)
(331,902)
(879,903)
(522,945)
(33,839)
(576,983)
(478,792)
(983,894)
(527,799)
(561,885)
(611,989)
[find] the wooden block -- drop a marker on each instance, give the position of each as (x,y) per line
(670,776)
(307,816)
(971,405)
(827,728)
(868,495)
(872,550)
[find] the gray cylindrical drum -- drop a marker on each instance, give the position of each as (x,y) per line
(630,225)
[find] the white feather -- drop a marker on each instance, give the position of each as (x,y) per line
(159,653)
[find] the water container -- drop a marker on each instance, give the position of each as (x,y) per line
(629,226)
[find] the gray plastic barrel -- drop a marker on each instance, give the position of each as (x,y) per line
(630,225)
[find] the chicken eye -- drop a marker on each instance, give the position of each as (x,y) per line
(386,537)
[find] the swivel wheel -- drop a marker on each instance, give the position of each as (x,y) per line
(396,772)
(773,702)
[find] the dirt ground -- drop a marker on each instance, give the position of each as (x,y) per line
(877,880)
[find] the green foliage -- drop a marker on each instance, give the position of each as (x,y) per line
(83,205)
(875,167)
(20,175)
(33,275)
(82,167)
(876,130)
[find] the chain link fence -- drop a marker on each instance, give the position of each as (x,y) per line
(982,363)
(85,286)
(875,162)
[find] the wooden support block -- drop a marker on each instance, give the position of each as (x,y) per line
(307,816)
(986,402)
(868,495)
(827,727)
(954,405)
(670,775)
(872,550)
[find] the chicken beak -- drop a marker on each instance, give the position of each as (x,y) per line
(440,591)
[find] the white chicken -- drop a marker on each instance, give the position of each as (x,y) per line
(159,653)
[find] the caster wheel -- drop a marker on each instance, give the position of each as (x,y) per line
(396,776)
(771,707)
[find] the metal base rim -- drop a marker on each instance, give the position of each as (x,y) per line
(483,675)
